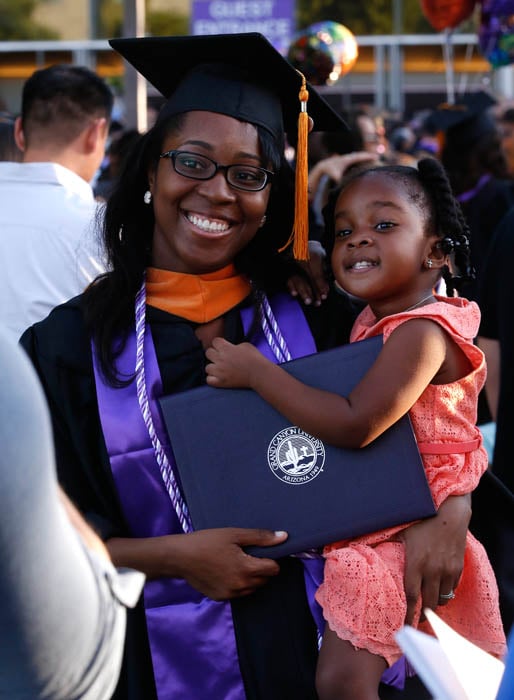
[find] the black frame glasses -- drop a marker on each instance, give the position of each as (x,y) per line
(249,178)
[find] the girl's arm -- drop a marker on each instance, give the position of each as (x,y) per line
(410,359)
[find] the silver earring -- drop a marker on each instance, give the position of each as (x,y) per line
(147,198)
(263,221)
(429,263)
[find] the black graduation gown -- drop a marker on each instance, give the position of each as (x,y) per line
(496,304)
(276,637)
(483,213)
(496,299)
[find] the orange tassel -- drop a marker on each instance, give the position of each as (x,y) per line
(300,234)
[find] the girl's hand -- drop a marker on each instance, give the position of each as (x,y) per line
(232,366)
(213,561)
(435,554)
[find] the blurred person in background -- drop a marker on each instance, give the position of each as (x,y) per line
(404,143)
(9,150)
(472,154)
(47,207)
(116,155)
(506,127)
(496,339)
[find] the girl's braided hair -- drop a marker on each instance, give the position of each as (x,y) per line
(442,212)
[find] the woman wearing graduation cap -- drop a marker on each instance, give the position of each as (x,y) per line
(192,232)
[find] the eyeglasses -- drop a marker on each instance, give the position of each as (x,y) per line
(243,177)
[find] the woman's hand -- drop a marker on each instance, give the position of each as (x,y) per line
(435,554)
(232,366)
(315,288)
(212,561)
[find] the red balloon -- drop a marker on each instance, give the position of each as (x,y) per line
(447,14)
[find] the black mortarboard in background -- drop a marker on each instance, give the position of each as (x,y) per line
(465,121)
(241,75)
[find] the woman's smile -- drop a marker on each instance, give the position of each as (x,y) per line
(208,225)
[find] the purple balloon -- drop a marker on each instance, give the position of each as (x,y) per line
(496,32)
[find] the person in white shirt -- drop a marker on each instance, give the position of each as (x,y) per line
(47,208)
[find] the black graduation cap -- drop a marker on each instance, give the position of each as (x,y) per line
(464,121)
(240,75)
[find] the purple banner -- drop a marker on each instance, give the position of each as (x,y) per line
(272,18)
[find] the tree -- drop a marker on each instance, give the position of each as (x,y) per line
(158,23)
(110,18)
(167,23)
(371,17)
(16,22)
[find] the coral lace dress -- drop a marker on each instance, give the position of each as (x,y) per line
(362,594)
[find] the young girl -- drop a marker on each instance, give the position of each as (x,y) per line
(394,229)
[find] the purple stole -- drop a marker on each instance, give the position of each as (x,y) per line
(466,196)
(191,637)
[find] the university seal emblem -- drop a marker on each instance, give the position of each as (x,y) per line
(295,457)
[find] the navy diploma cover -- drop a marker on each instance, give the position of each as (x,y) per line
(242,464)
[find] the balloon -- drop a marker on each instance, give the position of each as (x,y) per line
(323,52)
(496,32)
(447,14)
(342,42)
(312,57)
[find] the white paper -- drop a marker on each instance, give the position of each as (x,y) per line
(451,667)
